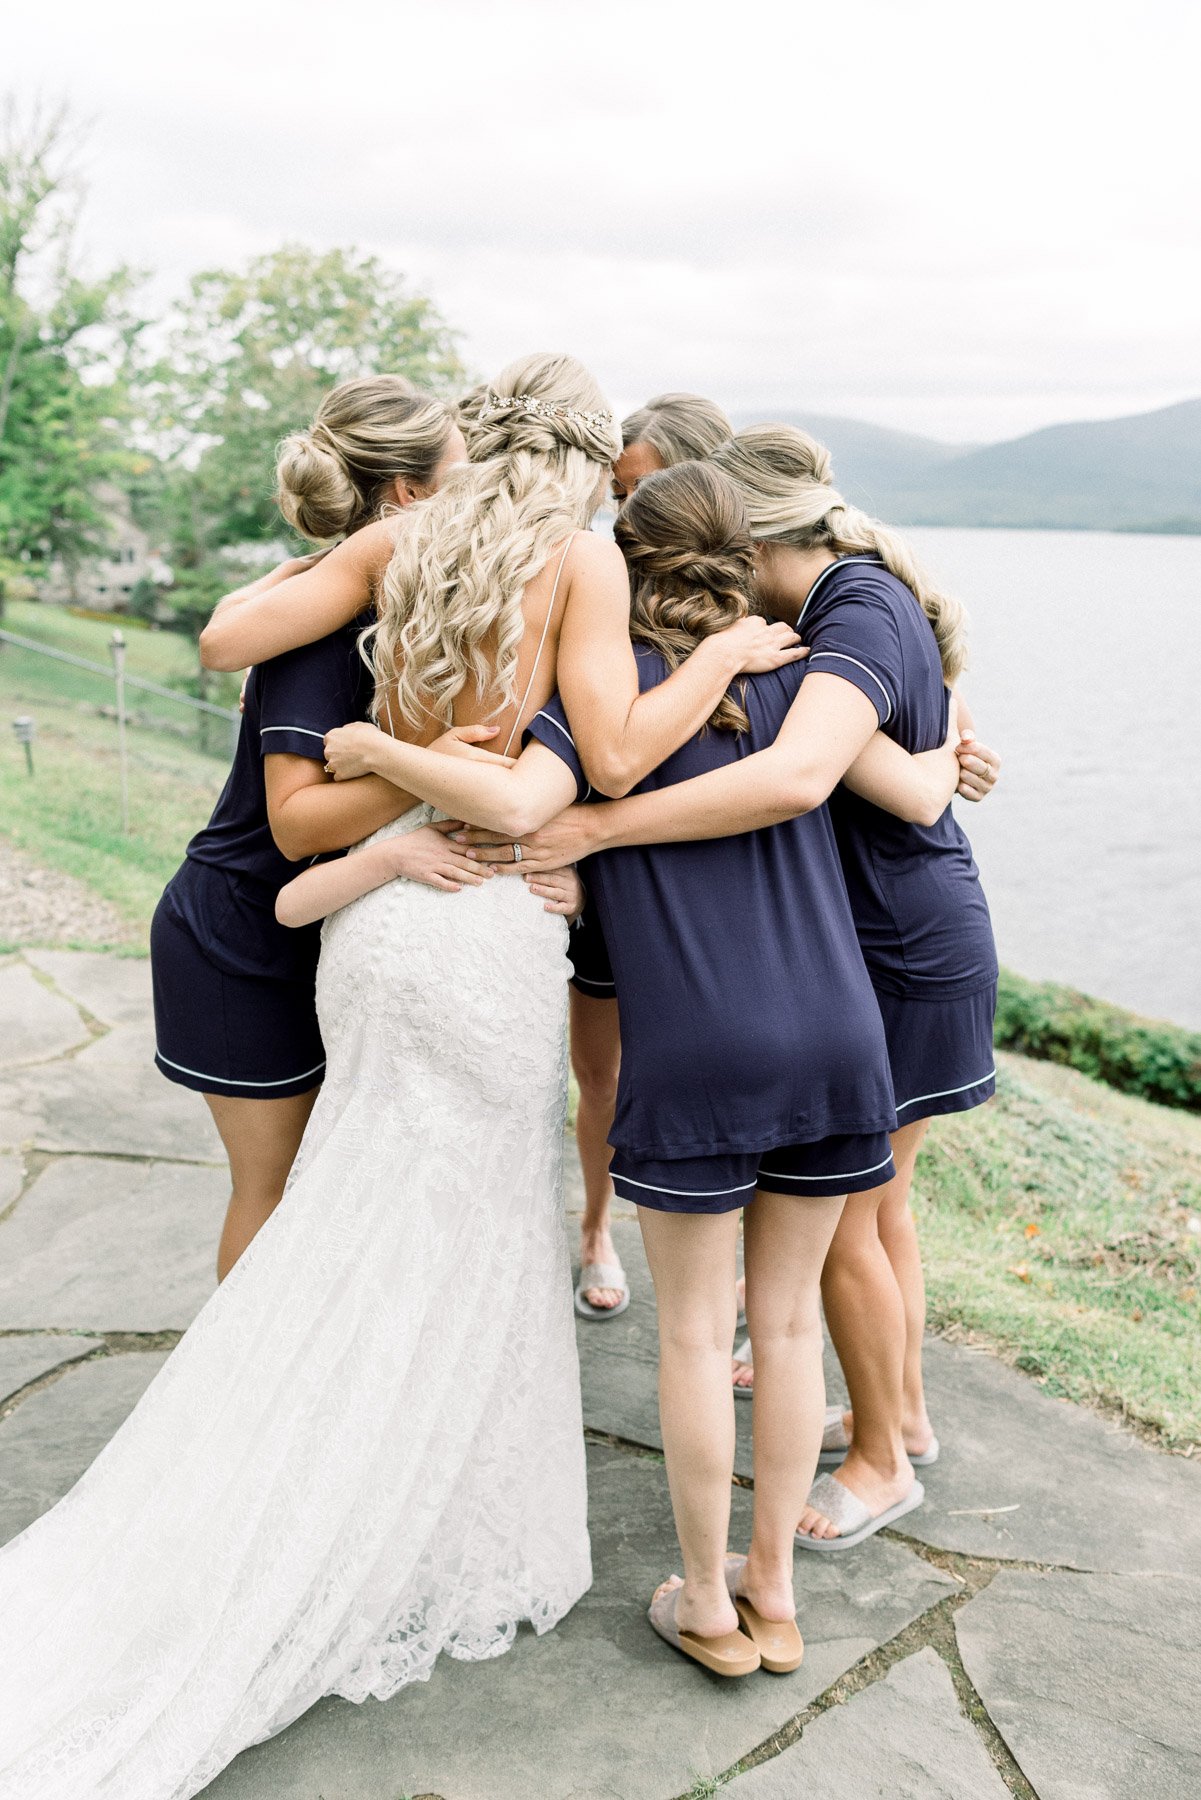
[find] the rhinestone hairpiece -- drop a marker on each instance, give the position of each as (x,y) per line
(542,409)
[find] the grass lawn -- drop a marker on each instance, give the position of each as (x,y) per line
(1062,1223)
(68,815)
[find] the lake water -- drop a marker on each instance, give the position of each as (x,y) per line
(1085,673)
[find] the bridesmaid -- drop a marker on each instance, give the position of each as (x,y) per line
(883,645)
(235,1015)
(755,1071)
(669,429)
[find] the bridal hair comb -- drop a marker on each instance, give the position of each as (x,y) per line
(494,404)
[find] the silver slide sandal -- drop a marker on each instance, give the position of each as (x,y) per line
(852,1518)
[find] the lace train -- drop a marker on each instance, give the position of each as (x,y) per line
(368,1447)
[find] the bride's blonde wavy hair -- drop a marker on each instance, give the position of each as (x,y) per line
(687,542)
(787,480)
(449,609)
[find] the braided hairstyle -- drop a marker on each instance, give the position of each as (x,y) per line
(687,543)
(786,479)
(540,439)
(333,478)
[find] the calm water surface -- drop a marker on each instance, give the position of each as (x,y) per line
(1085,675)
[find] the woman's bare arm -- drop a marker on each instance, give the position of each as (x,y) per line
(828,727)
(423,855)
(621,735)
(253,626)
(917,788)
(309,814)
(510,797)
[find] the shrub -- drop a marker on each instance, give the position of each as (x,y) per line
(1149,1057)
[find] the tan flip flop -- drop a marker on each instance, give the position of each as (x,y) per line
(732,1653)
(778,1641)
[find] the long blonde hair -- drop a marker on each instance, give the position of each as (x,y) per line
(786,479)
(449,610)
(331,479)
(678,427)
(686,539)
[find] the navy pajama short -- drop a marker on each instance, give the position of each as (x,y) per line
(250,1037)
(591,972)
(720,1184)
(940,1051)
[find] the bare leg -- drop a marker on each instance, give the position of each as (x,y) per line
(596,1061)
(868,1319)
(786,1241)
(691,1257)
(261,1138)
(898,1234)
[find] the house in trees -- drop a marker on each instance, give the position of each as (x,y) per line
(106,581)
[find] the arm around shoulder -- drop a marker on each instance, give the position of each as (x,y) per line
(307,606)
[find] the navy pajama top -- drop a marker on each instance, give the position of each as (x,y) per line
(225,893)
(747,1017)
(915,893)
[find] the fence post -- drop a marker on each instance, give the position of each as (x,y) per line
(117,646)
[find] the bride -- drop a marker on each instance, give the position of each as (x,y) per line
(368,1447)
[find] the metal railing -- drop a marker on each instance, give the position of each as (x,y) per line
(116,673)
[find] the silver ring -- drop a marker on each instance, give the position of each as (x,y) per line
(517,853)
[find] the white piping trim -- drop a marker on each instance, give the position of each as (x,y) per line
(551,720)
(943,1092)
(840,1175)
(876,562)
(585,982)
(840,657)
(229,1081)
(302,730)
(701,1193)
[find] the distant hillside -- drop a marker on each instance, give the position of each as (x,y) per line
(1141,473)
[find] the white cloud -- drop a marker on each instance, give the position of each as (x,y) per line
(963,220)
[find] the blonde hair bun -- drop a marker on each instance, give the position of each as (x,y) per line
(313,490)
(368,433)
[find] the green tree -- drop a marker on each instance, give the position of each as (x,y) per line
(65,340)
(248,356)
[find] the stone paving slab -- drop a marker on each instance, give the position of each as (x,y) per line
(114,989)
(1088,1494)
(903,1738)
(1092,1680)
(106,1245)
(23,1359)
(38,1024)
(48,1442)
(12,1175)
(599,1709)
(125,1110)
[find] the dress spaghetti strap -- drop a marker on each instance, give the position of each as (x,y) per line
(529,686)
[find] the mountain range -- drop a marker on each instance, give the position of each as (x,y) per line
(1140,473)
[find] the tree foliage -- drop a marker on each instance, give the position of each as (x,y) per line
(65,339)
(248,355)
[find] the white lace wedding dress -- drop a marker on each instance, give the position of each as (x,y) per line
(368,1448)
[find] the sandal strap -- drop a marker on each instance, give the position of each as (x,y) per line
(845,1511)
(602,1275)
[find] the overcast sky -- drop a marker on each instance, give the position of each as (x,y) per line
(963,219)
